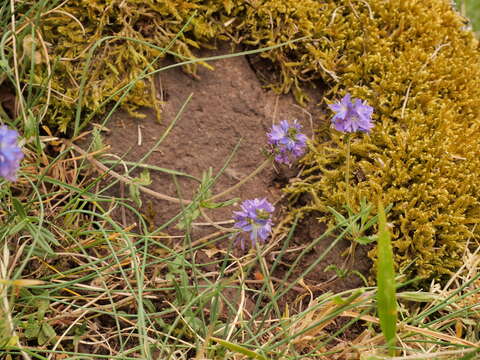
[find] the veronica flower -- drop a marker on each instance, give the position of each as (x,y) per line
(287,141)
(10,153)
(352,115)
(254,218)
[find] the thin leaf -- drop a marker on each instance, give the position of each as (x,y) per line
(20,210)
(339,217)
(374,219)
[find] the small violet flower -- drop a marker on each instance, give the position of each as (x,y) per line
(254,218)
(287,141)
(10,153)
(352,115)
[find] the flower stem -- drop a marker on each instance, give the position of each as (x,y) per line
(347,172)
(351,251)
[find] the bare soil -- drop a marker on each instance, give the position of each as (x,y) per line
(228,105)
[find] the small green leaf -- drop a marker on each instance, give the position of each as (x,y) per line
(48,331)
(43,238)
(97,140)
(32,329)
(19,209)
(195,323)
(386,298)
(211,205)
(364,240)
(42,338)
(16,228)
(144,178)
(31,126)
(4,65)
(339,217)
(11,341)
(239,349)
(419,296)
(135,194)
(338,300)
(42,305)
(365,210)
(341,273)
(149,305)
(374,219)
(188,217)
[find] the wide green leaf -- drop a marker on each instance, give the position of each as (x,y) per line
(386,297)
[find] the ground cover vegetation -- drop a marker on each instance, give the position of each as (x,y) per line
(383,53)
(74,282)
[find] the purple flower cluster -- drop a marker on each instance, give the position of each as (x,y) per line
(352,115)
(287,141)
(255,218)
(10,153)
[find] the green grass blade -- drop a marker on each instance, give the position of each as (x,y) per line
(386,300)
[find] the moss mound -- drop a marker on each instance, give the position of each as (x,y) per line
(110,44)
(409,59)
(413,62)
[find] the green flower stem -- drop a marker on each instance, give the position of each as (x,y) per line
(347,173)
(351,251)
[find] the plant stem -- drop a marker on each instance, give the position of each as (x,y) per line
(347,173)
(350,211)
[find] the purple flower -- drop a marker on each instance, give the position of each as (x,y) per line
(352,115)
(255,218)
(287,141)
(10,153)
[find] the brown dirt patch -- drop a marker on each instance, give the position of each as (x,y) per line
(227,104)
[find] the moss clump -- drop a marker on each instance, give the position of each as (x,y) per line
(128,37)
(413,62)
(409,59)
(127,28)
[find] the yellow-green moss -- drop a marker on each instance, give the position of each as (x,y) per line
(76,27)
(413,62)
(73,29)
(409,59)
